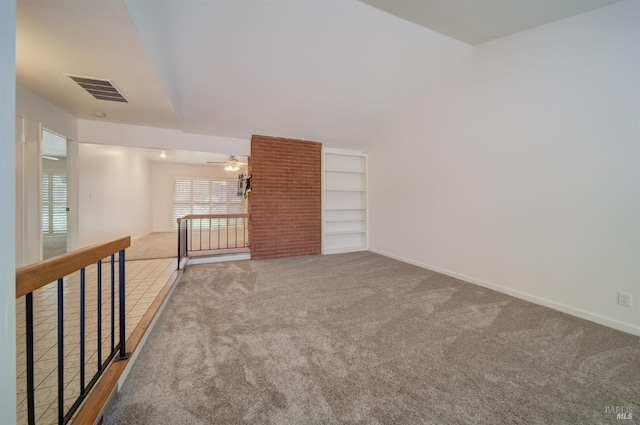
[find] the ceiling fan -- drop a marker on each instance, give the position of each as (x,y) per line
(232,164)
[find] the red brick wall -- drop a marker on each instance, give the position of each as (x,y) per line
(285,201)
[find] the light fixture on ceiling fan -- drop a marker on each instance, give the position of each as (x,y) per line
(231,165)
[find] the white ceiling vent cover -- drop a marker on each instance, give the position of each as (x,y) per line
(100,89)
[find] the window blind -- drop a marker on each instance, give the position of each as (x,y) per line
(192,195)
(54,203)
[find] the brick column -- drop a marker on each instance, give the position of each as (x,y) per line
(285,202)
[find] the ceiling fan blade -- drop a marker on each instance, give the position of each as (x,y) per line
(231,161)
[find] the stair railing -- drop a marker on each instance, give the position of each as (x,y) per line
(38,276)
(211,233)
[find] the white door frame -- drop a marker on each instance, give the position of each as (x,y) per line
(20,190)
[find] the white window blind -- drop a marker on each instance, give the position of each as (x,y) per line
(193,195)
(54,203)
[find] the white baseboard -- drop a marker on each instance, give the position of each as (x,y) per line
(140,236)
(220,258)
(344,250)
(583,314)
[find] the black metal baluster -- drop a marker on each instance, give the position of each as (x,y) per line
(121,294)
(82,329)
(113,302)
(60,352)
(179,252)
(236,232)
(31,409)
(99,284)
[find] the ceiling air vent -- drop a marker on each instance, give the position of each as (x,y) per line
(100,89)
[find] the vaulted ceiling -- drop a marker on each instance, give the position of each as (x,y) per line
(331,71)
(478,21)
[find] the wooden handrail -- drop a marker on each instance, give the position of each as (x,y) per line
(35,276)
(207,216)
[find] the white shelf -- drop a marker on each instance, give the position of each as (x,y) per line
(345,249)
(362,173)
(344,221)
(334,200)
(344,202)
(345,163)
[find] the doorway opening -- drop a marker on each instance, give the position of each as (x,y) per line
(54,195)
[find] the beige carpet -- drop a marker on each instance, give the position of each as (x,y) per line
(147,247)
(153,245)
(52,246)
(363,339)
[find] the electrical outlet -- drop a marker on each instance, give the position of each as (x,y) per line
(624,299)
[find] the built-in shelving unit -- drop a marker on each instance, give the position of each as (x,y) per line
(345,201)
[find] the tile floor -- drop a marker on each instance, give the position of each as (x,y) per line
(144,279)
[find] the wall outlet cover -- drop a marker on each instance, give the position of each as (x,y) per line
(624,299)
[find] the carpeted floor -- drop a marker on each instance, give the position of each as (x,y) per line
(147,247)
(362,339)
(52,246)
(153,245)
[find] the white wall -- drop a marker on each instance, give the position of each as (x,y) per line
(125,135)
(161,191)
(114,193)
(521,169)
(7,212)
(40,111)
(37,113)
